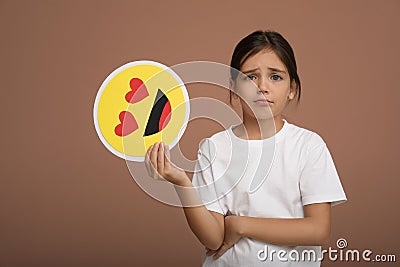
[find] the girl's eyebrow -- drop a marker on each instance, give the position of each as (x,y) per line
(276,70)
(269,68)
(248,71)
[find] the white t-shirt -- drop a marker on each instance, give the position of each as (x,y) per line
(269,178)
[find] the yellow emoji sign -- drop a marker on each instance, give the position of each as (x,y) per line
(138,104)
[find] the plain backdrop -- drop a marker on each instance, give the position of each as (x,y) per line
(67,201)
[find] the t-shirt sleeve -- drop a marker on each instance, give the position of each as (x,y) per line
(319,180)
(203,179)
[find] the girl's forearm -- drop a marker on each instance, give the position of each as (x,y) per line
(203,224)
(288,232)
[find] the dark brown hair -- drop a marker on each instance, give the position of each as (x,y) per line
(258,41)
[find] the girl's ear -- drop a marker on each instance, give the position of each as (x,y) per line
(293,89)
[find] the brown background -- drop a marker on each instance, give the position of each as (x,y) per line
(66,201)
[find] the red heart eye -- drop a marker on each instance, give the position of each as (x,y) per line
(138,91)
(128,124)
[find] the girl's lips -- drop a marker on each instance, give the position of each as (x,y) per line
(263,102)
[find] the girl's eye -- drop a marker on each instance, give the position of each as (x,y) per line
(250,77)
(276,77)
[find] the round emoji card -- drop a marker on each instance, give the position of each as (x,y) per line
(138,104)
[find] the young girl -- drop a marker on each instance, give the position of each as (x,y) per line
(278,216)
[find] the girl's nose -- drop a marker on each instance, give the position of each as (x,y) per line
(262,86)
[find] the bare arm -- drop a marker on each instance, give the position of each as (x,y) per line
(208,226)
(313,229)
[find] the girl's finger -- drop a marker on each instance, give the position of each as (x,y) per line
(153,156)
(160,158)
(147,162)
(166,156)
(221,251)
(210,252)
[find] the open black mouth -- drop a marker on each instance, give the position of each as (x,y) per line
(160,114)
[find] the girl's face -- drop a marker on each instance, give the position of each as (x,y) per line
(265,82)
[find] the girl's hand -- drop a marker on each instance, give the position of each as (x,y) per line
(210,252)
(232,236)
(160,168)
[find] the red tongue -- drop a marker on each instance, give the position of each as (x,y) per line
(139,91)
(165,116)
(128,124)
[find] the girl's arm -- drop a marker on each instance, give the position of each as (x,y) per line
(208,226)
(313,229)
